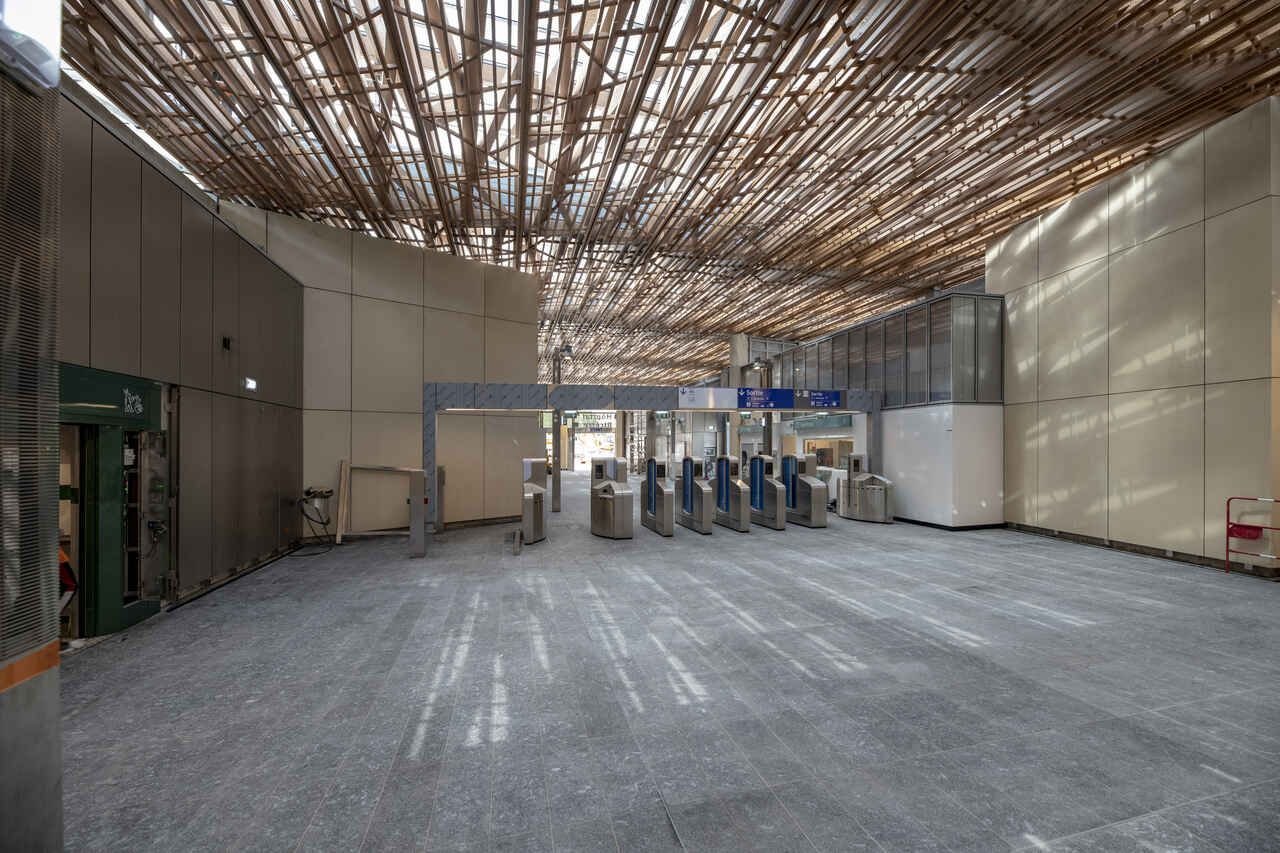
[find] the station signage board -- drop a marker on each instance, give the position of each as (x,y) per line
(723,399)
(748,399)
(821,399)
(766,398)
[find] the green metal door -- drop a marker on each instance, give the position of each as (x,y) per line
(106,608)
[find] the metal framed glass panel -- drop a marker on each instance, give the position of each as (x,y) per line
(785,375)
(840,361)
(895,360)
(963,349)
(940,351)
(824,365)
(810,367)
(875,356)
(857,357)
(917,355)
(989,351)
(775,371)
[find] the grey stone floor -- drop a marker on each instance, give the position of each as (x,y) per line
(855,688)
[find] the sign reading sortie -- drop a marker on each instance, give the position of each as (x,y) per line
(786,399)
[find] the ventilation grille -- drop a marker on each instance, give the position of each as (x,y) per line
(30,172)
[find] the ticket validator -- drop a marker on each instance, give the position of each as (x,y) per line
(768,494)
(612,501)
(733,498)
(697,501)
(806,494)
(657,499)
(533,503)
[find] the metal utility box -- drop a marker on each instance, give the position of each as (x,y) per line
(612,501)
(533,503)
(870,499)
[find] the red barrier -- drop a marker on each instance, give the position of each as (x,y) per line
(1240,530)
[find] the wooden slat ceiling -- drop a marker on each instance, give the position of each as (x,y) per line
(676,170)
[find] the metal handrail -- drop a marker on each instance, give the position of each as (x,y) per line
(1241,528)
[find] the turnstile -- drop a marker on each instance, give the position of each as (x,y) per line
(657,499)
(733,501)
(697,501)
(533,503)
(768,494)
(612,501)
(806,494)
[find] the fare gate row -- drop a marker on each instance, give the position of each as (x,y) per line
(697,499)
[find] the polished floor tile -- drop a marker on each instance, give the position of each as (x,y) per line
(862,687)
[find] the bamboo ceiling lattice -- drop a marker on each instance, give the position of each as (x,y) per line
(676,170)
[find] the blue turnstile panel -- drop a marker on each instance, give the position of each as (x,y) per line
(651,476)
(757,483)
(722,484)
(686,493)
(789,473)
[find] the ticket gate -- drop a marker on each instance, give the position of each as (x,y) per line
(612,501)
(768,494)
(657,499)
(697,500)
(533,503)
(733,500)
(806,494)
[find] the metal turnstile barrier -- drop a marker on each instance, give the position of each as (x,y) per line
(733,498)
(806,494)
(697,502)
(768,494)
(533,502)
(657,499)
(612,500)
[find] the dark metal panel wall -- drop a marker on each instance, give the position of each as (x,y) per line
(116,220)
(161,233)
(289,442)
(195,483)
(227,485)
(226,309)
(252,310)
(76,131)
(158,282)
(293,350)
(247,463)
(196,361)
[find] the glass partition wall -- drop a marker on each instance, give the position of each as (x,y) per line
(949,349)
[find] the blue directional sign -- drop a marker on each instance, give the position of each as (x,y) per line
(824,399)
(766,398)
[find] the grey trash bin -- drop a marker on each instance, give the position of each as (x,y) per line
(872,498)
